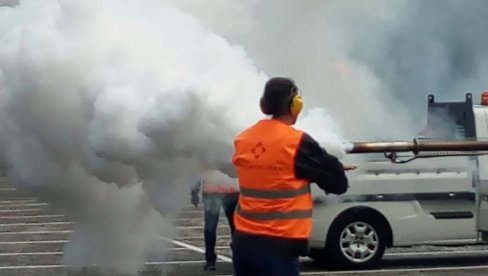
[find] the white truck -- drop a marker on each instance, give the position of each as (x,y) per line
(426,201)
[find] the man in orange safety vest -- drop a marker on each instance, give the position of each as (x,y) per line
(275,165)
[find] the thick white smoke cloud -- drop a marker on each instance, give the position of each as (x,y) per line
(314,42)
(370,64)
(9,2)
(323,128)
(111,109)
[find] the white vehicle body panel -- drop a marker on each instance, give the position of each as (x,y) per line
(426,201)
(481,115)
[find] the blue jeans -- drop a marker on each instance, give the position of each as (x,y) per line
(263,263)
(212,204)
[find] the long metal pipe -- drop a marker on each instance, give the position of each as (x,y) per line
(417,146)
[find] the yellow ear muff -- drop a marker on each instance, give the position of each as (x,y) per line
(296,105)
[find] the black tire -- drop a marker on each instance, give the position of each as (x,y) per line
(359,250)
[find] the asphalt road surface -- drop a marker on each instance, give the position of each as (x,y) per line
(32,239)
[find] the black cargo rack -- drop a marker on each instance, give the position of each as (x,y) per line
(451,120)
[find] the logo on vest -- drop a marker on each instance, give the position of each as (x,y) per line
(258,149)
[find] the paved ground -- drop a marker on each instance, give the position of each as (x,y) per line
(32,238)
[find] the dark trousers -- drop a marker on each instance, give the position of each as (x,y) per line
(212,204)
(263,262)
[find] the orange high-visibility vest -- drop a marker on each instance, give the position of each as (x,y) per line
(272,200)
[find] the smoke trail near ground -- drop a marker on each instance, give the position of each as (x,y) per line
(111,109)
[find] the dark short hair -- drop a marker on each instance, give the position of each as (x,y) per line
(277,96)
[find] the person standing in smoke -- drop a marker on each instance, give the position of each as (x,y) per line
(275,165)
(215,196)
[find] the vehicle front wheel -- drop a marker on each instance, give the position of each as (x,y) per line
(356,242)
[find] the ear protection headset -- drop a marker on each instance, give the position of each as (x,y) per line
(295,103)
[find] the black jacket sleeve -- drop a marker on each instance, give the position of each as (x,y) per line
(314,163)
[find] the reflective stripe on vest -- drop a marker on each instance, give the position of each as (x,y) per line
(295,214)
(275,193)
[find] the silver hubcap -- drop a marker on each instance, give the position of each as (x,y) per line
(359,242)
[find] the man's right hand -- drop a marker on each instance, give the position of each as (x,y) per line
(349,167)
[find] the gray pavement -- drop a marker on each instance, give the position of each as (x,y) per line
(32,238)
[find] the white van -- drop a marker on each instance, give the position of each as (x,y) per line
(435,201)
